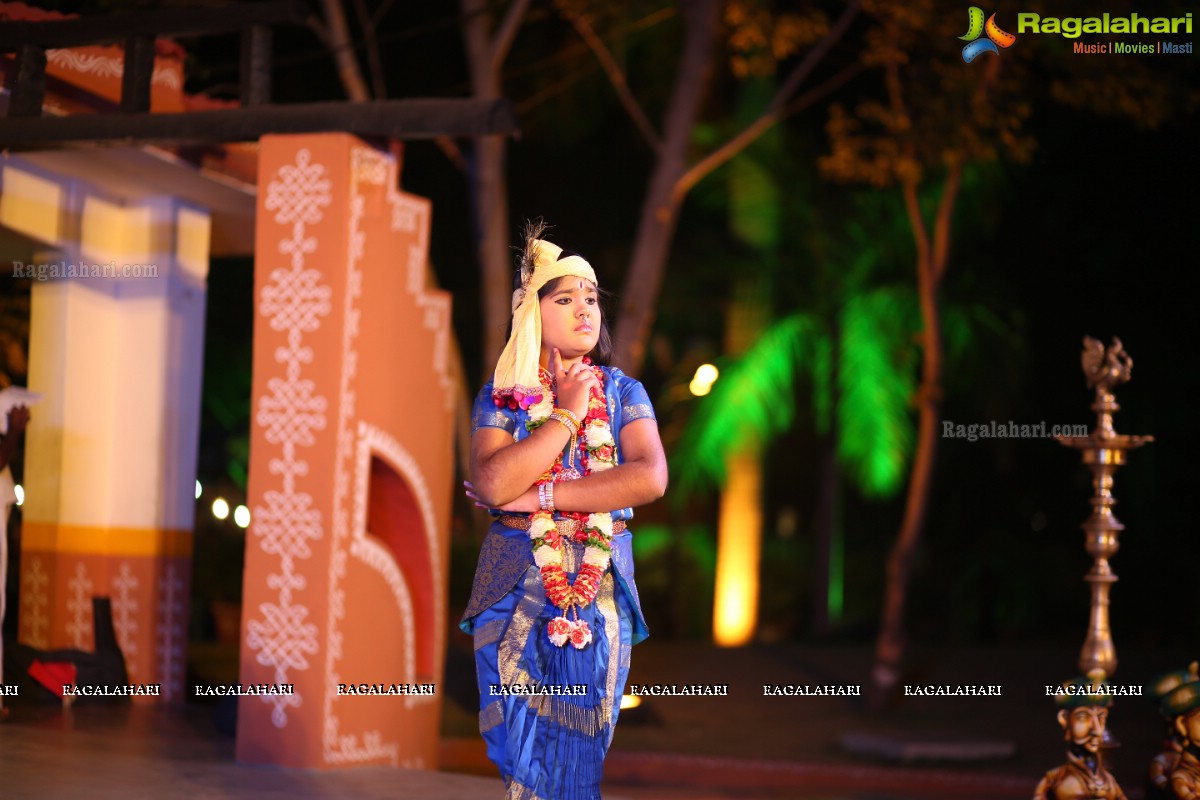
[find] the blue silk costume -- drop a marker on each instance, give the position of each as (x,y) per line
(548,746)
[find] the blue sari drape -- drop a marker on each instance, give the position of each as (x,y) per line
(551,746)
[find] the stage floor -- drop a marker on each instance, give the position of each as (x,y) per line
(111,753)
(747,745)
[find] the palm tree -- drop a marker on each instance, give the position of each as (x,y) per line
(853,348)
(859,364)
(844,344)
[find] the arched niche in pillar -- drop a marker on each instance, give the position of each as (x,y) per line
(400,522)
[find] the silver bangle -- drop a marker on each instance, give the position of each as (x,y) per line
(546,496)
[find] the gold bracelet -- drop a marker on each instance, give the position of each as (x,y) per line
(569,422)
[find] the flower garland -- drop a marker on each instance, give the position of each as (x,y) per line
(595,533)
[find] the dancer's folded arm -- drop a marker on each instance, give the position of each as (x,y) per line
(640,478)
(501,469)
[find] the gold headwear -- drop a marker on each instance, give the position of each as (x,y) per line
(516,375)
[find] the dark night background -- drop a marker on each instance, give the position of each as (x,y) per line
(1093,236)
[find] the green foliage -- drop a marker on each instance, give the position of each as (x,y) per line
(226,400)
(676,569)
(753,399)
(650,540)
(876,380)
(852,348)
(755,196)
(874,361)
(755,207)
(961,324)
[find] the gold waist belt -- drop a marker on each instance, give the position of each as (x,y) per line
(566,526)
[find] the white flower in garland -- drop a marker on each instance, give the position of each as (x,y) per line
(547,555)
(541,525)
(601,522)
(594,556)
(540,411)
(599,433)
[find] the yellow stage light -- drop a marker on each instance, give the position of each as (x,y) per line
(739,540)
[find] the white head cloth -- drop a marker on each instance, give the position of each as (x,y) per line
(516,373)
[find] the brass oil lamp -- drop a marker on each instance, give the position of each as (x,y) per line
(1103,451)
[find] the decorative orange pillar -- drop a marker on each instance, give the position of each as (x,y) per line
(351,465)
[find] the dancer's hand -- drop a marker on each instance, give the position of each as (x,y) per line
(574,384)
(527,503)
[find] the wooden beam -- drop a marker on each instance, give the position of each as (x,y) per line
(255,79)
(136,74)
(393,119)
(116,28)
(27,83)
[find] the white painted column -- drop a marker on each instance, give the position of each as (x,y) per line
(116,347)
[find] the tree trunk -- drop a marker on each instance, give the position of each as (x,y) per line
(932,257)
(673,178)
(890,647)
(343,51)
(826,545)
(488,166)
(487,176)
(660,207)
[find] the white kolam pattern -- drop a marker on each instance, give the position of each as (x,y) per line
(111,67)
(170,635)
(280,635)
(125,614)
(37,599)
(79,607)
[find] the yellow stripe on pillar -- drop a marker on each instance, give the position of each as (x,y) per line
(105,541)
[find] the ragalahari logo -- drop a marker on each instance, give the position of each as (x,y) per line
(976,27)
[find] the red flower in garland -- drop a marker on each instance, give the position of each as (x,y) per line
(581,635)
(559,630)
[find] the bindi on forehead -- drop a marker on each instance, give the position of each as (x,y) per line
(584,285)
